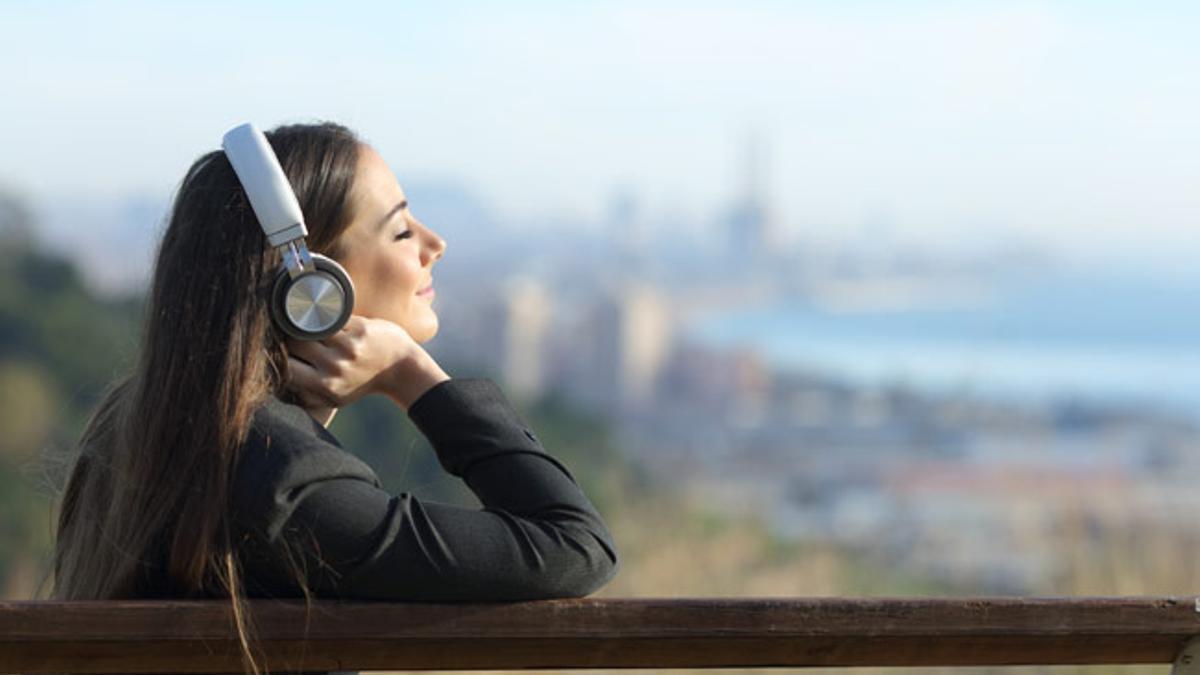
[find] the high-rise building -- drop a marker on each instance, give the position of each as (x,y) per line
(749,223)
(628,228)
(628,342)
(501,331)
(527,311)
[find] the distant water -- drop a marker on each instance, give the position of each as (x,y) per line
(1106,340)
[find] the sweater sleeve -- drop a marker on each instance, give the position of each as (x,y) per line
(328,520)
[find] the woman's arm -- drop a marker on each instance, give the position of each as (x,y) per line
(537,535)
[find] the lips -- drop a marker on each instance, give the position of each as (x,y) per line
(427,290)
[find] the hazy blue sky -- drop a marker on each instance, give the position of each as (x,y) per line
(1076,124)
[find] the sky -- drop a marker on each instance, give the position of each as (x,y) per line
(1074,126)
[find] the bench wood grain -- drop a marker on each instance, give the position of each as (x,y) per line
(198,636)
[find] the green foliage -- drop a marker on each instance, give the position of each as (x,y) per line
(16,224)
(24,513)
(60,345)
(28,408)
(49,317)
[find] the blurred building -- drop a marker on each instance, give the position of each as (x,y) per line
(749,225)
(618,350)
(505,332)
(629,231)
(526,310)
(726,386)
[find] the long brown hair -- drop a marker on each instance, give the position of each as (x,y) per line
(146,509)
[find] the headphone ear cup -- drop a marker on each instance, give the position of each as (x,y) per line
(315,304)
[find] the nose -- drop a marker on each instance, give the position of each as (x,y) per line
(435,246)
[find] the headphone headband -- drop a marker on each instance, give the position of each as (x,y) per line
(266,186)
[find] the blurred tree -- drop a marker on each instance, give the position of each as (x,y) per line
(28,409)
(24,519)
(16,223)
(60,345)
(49,317)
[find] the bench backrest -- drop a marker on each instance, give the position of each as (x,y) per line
(175,636)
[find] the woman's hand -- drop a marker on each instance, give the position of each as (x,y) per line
(368,356)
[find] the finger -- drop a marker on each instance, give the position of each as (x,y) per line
(312,352)
(309,384)
(355,325)
(341,346)
(302,378)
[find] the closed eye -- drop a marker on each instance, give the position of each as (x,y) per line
(404,235)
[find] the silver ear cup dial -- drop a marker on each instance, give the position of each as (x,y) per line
(315,302)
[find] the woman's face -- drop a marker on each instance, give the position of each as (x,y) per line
(388,253)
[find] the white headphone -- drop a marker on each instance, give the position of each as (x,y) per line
(312,296)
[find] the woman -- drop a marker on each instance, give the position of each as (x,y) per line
(208,472)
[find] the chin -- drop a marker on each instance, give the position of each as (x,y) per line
(425,331)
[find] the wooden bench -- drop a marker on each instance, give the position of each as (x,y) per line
(198,636)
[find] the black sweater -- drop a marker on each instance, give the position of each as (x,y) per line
(302,502)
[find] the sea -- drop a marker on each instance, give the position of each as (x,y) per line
(1103,339)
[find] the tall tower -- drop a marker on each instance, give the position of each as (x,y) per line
(749,225)
(625,219)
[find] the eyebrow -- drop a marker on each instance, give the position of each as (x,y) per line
(388,216)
